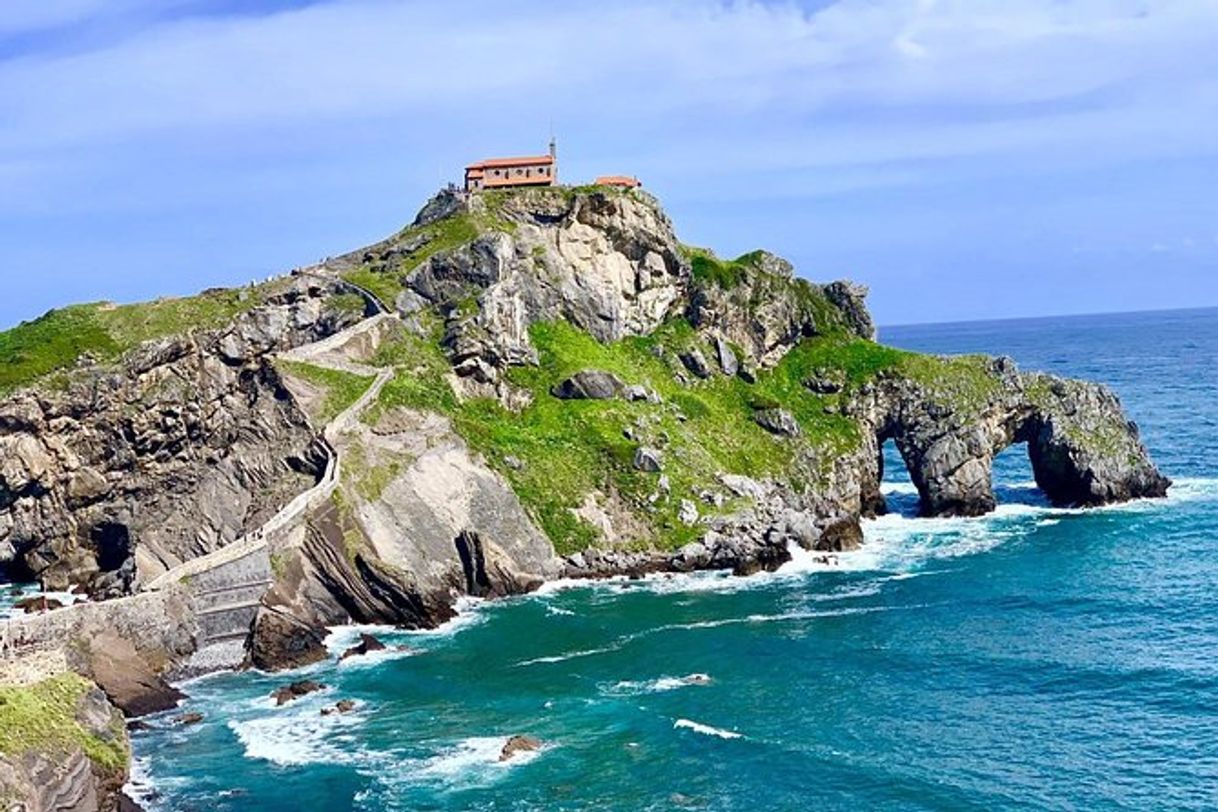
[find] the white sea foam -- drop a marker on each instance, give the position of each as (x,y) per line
(707,730)
(299,734)
(473,759)
(340,638)
(656,686)
(570,655)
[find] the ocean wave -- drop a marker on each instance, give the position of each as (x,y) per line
(707,730)
(468,614)
(656,686)
(474,757)
(299,734)
(570,655)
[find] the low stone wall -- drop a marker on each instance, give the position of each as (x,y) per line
(161,621)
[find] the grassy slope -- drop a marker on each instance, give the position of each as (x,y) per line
(42,717)
(571,448)
(55,341)
(342,388)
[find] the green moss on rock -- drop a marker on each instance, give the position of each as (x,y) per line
(42,718)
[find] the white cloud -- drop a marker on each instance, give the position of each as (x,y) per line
(362,60)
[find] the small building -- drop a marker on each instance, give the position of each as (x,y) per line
(506,173)
(621,181)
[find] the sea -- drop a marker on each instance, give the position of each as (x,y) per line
(1036,658)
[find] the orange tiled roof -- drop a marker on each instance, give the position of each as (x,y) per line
(617,180)
(527,160)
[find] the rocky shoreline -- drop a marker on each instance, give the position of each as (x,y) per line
(517,388)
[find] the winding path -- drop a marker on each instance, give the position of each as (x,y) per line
(287,515)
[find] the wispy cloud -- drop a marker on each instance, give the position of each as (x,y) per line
(754,99)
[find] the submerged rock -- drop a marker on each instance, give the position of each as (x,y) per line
(295,690)
(367,643)
(519,744)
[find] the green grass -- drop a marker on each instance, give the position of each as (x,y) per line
(383,278)
(346,304)
(342,388)
(724,273)
(572,448)
(966,384)
(42,717)
(58,339)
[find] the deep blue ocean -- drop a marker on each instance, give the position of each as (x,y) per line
(1032,659)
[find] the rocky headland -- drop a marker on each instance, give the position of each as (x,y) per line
(519,386)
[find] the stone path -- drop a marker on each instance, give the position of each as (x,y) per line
(287,515)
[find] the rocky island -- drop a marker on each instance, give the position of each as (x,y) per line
(521,385)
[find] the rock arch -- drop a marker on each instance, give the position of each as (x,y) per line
(1082,450)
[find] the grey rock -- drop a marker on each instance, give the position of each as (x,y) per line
(647,459)
(688,513)
(727,358)
(696,362)
(590,384)
(777,421)
(826,382)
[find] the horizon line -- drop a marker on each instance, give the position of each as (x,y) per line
(1043,317)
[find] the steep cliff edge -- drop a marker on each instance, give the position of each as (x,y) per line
(563,388)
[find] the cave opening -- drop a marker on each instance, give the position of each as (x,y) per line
(1012,477)
(112,545)
(896,486)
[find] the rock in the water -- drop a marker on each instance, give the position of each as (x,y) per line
(519,744)
(648,459)
(191,718)
(367,643)
(281,642)
(37,603)
(590,384)
(295,690)
(696,362)
(777,421)
(343,706)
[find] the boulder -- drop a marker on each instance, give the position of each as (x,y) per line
(747,371)
(696,362)
(519,744)
(191,718)
(826,381)
(590,384)
(688,513)
(127,678)
(295,690)
(367,643)
(37,603)
(727,358)
(647,459)
(777,421)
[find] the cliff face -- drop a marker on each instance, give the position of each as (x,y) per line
(562,387)
(182,446)
(64,747)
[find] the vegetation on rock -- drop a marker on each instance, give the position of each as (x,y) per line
(58,339)
(42,717)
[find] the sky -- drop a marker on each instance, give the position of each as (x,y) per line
(965,159)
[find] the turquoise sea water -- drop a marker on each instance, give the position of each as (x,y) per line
(1033,659)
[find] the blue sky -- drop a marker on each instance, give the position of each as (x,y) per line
(967,159)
